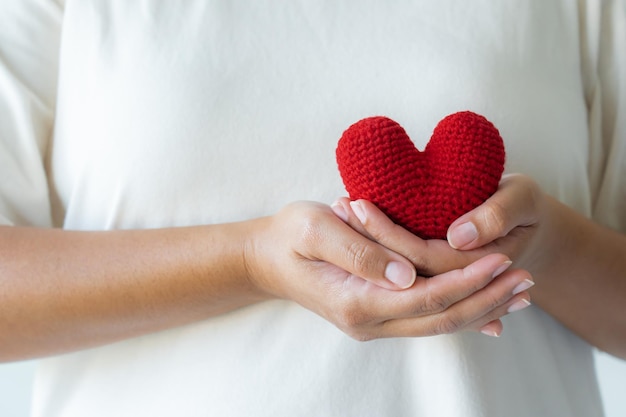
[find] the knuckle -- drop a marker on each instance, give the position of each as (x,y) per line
(310,228)
(473,280)
(422,263)
(362,257)
(434,303)
(494,301)
(495,218)
(528,192)
(352,316)
(527,184)
(355,321)
(449,324)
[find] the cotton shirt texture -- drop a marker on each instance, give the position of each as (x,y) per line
(118,115)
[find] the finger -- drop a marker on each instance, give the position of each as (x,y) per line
(488,324)
(431,296)
(360,256)
(494,328)
(344,211)
(473,312)
(514,204)
(430,257)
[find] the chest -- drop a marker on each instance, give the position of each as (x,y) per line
(215,111)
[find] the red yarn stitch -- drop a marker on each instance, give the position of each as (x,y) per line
(425,192)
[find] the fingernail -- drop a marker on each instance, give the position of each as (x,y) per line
(523,286)
(358,211)
(489,332)
(400,274)
(519,305)
(502,268)
(339,211)
(462,235)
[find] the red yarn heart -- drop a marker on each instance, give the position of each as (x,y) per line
(425,192)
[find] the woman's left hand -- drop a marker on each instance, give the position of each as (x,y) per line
(579,265)
(508,223)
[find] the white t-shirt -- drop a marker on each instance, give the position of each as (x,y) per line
(183,113)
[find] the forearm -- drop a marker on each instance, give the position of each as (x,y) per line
(581,279)
(63,291)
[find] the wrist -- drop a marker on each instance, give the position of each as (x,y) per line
(558,238)
(252,258)
(227,283)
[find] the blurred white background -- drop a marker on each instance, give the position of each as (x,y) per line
(16,380)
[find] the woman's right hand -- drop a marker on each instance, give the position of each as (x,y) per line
(68,290)
(305,253)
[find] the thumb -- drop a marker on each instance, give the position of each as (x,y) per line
(362,257)
(373,262)
(514,204)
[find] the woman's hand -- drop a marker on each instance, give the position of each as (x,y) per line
(506,223)
(579,265)
(69,290)
(511,221)
(307,254)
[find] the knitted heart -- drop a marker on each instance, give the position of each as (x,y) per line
(425,192)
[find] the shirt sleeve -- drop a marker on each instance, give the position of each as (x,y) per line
(29,48)
(603,58)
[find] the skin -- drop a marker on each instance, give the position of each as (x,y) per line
(578,265)
(63,291)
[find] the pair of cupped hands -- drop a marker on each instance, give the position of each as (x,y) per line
(371,278)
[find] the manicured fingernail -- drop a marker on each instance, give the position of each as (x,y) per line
(489,332)
(519,305)
(462,235)
(400,274)
(523,286)
(358,211)
(502,268)
(339,211)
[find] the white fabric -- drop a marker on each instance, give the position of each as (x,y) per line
(182,113)
(29,37)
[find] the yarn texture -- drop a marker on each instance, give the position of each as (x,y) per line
(460,167)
